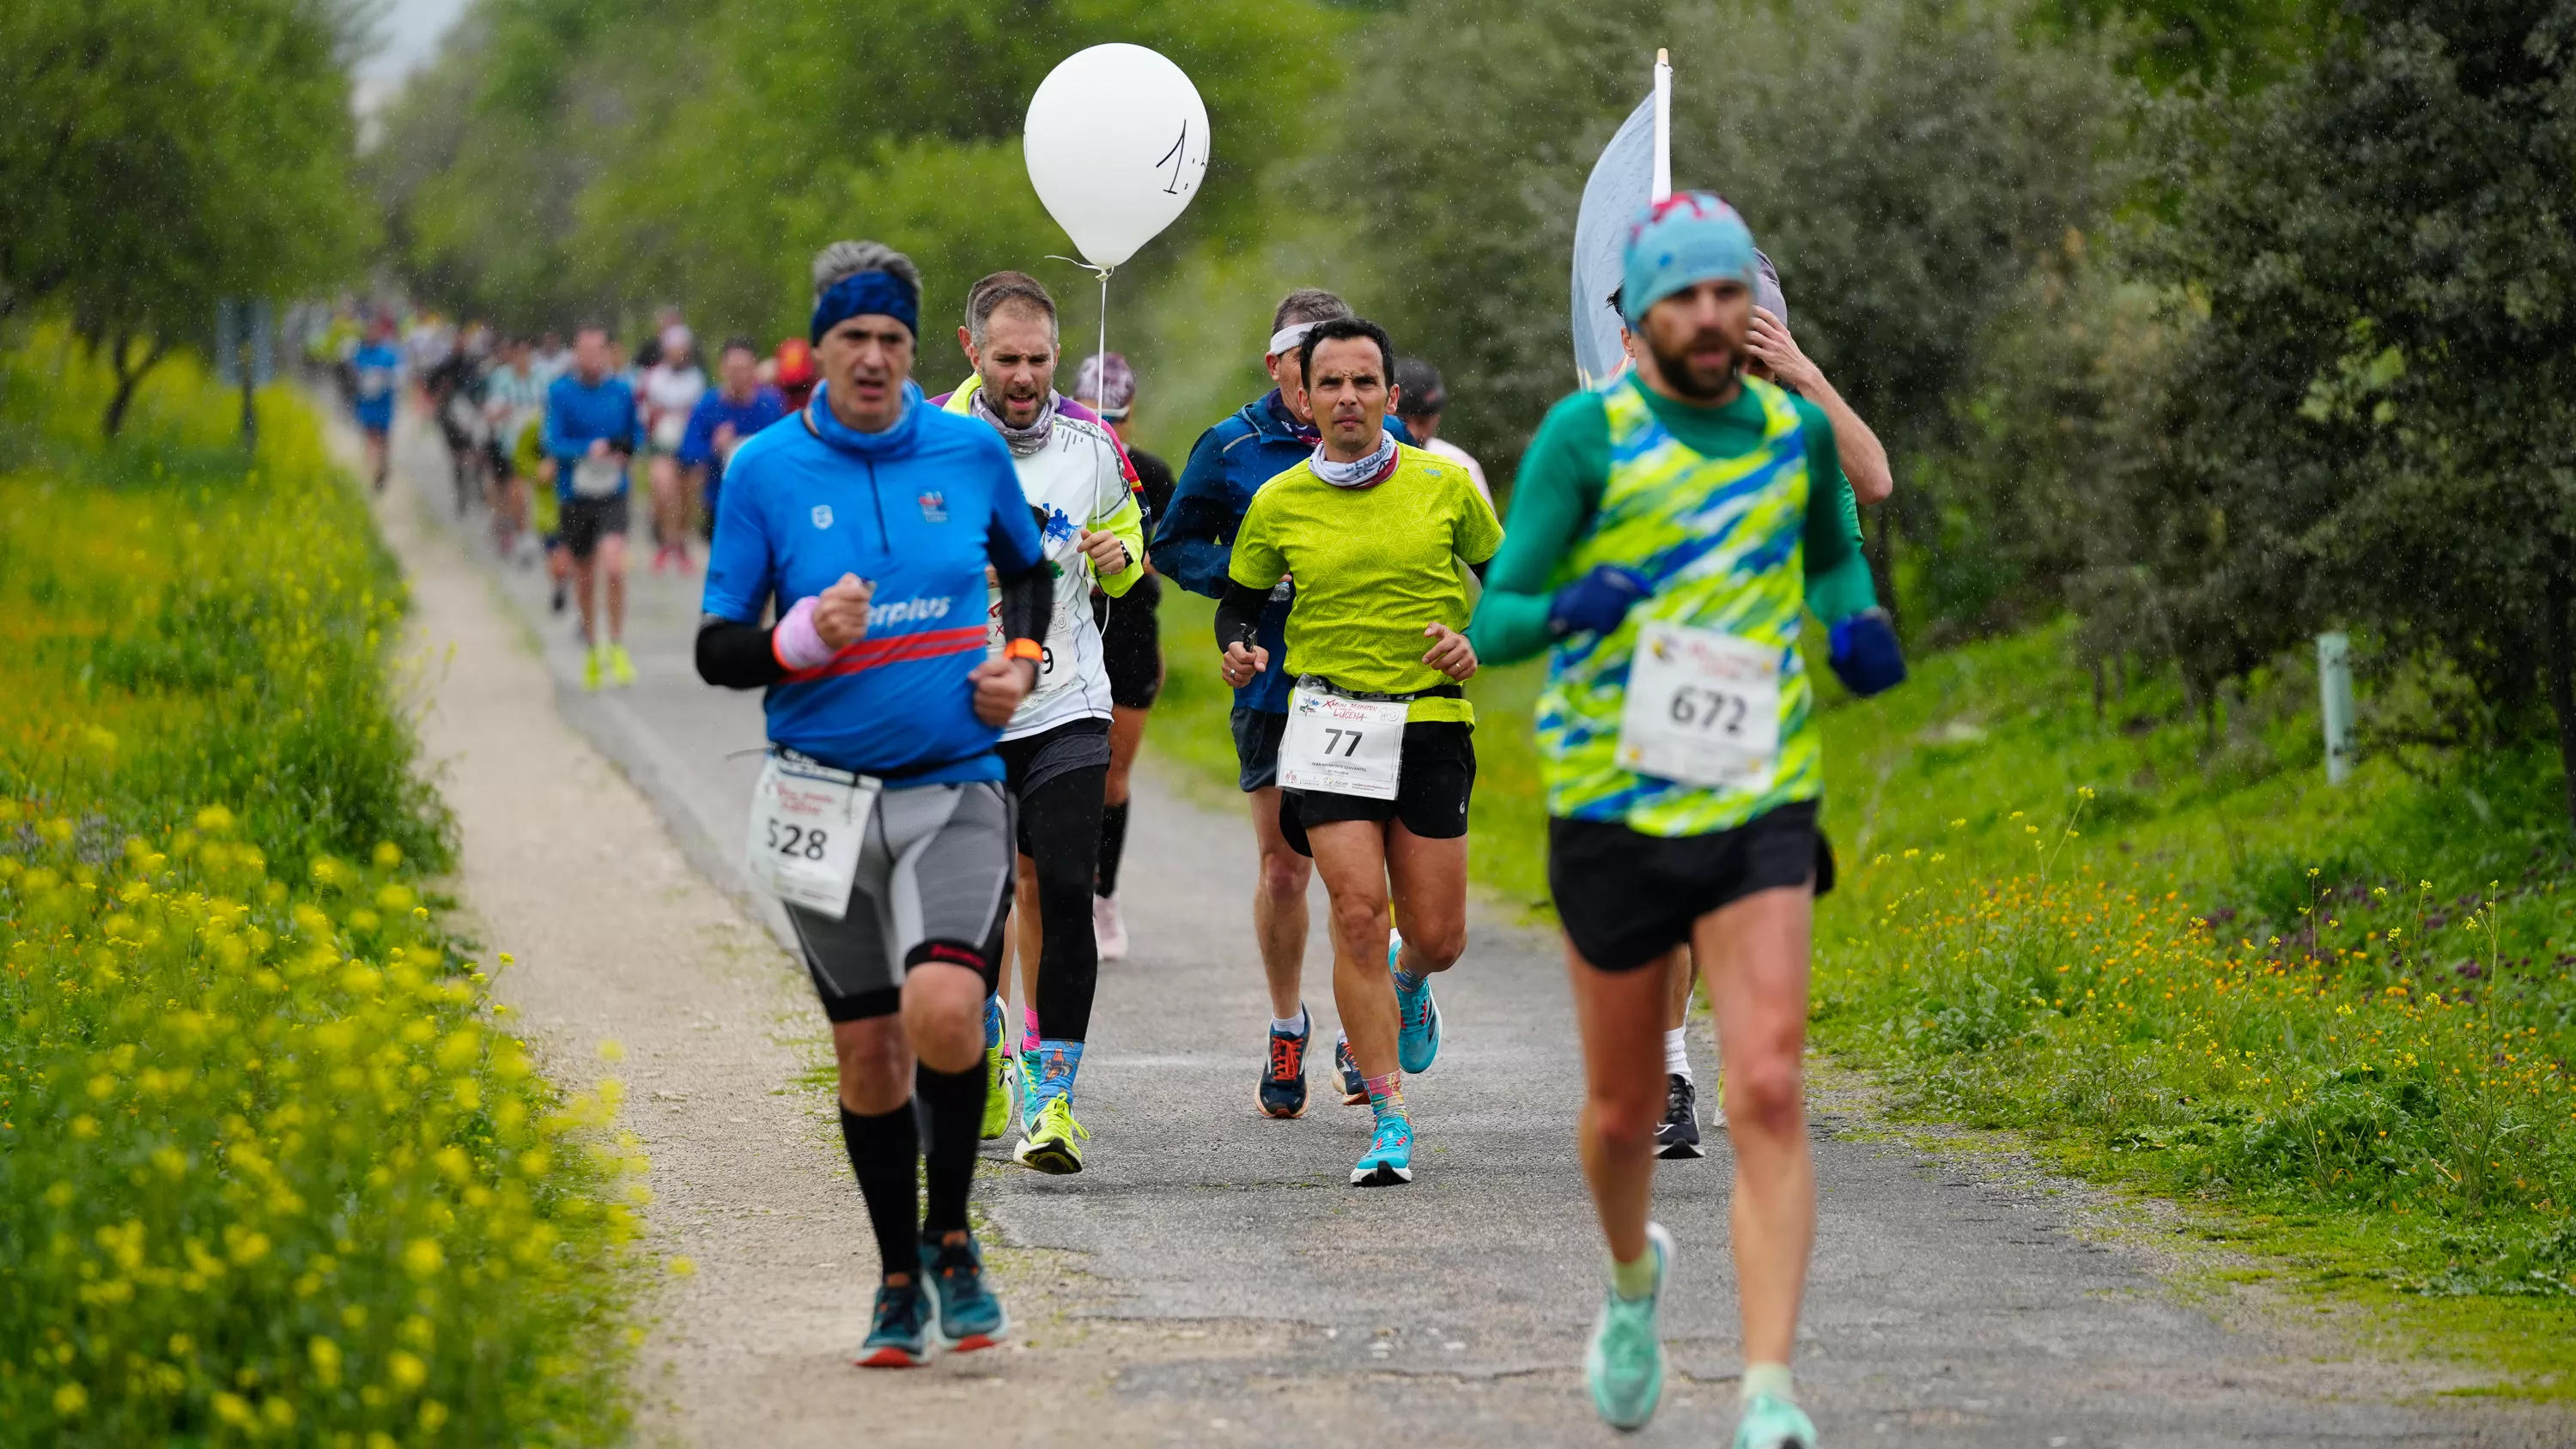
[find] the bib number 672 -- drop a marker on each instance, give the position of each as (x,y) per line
(1712,710)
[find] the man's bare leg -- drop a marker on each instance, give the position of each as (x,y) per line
(1619,1015)
(1754,953)
(612,562)
(1279,905)
(1351,855)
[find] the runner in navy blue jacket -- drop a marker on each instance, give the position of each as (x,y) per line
(1193,545)
(866,524)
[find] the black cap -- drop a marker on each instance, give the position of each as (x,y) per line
(1419,390)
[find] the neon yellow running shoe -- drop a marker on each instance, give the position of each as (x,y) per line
(1051,1147)
(591,660)
(621,665)
(1001,1076)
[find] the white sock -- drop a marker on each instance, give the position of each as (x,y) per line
(1290,1025)
(1767,1378)
(1677,1053)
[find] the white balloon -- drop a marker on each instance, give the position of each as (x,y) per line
(1116,142)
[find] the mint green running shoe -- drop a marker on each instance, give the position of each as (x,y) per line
(1625,1362)
(1772,1422)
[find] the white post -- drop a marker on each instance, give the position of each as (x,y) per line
(2334,702)
(1663,125)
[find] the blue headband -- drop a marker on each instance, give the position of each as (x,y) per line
(863,294)
(1687,238)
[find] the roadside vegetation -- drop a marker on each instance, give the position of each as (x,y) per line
(272,1165)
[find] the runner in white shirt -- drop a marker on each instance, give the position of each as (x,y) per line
(1076,479)
(669,393)
(512,402)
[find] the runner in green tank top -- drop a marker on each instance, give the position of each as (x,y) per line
(1662,532)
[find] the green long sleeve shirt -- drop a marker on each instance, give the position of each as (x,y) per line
(1561,481)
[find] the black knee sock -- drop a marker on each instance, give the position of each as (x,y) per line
(955,1107)
(885,1154)
(1064,824)
(1113,846)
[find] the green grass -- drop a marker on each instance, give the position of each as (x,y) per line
(271,1164)
(2156,945)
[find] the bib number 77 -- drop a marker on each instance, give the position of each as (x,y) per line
(1703,708)
(1342,746)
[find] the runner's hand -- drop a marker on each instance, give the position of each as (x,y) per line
(599,447)
(1000,685)
(841,612)
(1107,550)
(1242,663)
(1451,654)
(1769,340)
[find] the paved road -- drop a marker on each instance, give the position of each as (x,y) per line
(1210,1279)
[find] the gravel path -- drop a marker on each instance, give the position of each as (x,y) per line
(1209,1280)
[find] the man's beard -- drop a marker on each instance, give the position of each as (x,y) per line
(1683,378)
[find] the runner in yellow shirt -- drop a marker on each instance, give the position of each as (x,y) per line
(1379,760)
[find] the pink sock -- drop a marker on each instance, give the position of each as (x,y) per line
(1029,1034)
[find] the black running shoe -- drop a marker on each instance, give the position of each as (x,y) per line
(1679,1134)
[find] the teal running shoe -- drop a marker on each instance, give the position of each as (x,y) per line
(1417,1041)
(969,1316)
(1625,1362)
(1354,1086)
(901,1335)
(1389,1159)
(1772,1422)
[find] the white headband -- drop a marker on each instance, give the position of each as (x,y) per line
(1288,337)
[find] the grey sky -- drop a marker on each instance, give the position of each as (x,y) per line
(411,31)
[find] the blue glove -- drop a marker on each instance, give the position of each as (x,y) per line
(1865,654)
(1596,602)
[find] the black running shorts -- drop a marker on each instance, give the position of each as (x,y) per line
(583,522)
(1032,762)
(936,868)
(1432,787)
(1257,733)
(1131,643)
(1627,898)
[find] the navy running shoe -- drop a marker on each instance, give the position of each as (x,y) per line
(1354,1086)
(1283,1084)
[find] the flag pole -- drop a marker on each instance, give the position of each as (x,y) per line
(1663,125)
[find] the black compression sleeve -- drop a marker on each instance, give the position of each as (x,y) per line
(736,656)
(1028,603)
(1238,614)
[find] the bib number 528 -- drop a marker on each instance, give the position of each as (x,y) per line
(805,842)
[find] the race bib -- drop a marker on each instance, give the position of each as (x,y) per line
(1342,746)
(598,477)
(807,824)
(668,429)
(1703,708)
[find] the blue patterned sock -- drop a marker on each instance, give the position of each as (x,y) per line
(992,1022)
(1057,1063)
(1409,982)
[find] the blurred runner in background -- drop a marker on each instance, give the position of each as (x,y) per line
(724,419)
(1131,633)
(1424,397)
(590,434)
(794,372)
(375,373)
(673,384)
